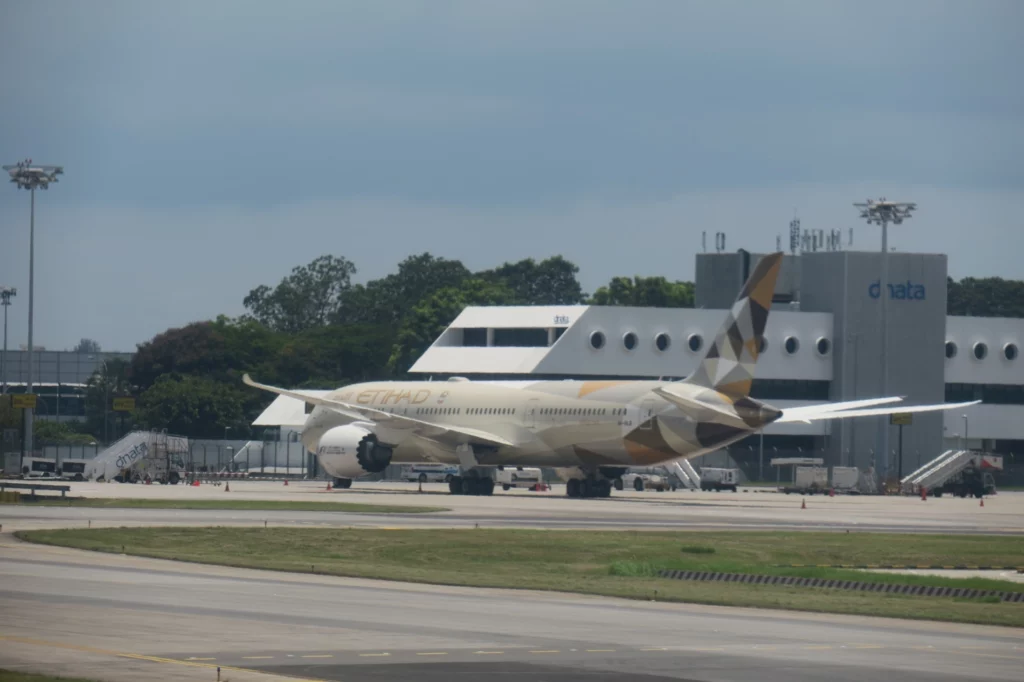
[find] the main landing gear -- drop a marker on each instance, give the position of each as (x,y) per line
(471,485)
(342,483)
(588,487)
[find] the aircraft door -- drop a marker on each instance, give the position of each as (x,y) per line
(646,414)
(530,413)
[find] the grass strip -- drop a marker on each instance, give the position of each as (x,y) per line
(621,564)
(266,505)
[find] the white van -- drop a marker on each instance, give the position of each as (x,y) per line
(72,469)
(517,477)
(427,473)
(37,467)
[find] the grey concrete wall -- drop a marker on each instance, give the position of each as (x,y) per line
(842,283)
(720,277)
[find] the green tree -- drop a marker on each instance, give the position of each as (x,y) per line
(985,297)
(551,282)
(192,406)
(111,380)
(309,297)
(389,299)
(46,431)
(654,292)
(87,346)
(433,314)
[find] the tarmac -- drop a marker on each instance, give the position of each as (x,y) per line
(758,509)
(120,618)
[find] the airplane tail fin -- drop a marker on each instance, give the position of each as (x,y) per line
(728,366)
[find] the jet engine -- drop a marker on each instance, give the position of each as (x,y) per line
(350,451)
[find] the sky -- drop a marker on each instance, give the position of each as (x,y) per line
(209,148)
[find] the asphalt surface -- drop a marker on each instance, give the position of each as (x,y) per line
(126,618)
(758,510)
(122,618)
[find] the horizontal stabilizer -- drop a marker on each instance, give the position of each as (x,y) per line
(788,416)
(689,404)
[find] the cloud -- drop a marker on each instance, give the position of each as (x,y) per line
(122,274)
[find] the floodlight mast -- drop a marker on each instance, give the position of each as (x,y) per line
(883,212)
(27,175)
(6,294)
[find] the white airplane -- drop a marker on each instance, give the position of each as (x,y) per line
(591,431)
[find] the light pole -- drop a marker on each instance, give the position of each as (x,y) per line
(967,444)
(882,213)
(27,175)
(6,293)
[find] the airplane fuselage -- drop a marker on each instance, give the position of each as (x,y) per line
(558,424)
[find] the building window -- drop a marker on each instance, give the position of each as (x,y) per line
(824,346)
(629,340)
(1010,351)
(792,345)
(695,342)
(475,336)
(662,341)
(980,351)
(762,346)
(521,338)
(597,340)
(950,350)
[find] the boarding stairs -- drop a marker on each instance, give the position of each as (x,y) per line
(134,450)
(938,471)
(685,472)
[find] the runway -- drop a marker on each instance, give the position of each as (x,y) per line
(126,618)
(683,510)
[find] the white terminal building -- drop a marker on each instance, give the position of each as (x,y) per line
(823,344)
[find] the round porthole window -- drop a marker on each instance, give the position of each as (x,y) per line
(695,342)
(629,340)
(597,340)
(762,346)
(950,350)
(980,351)
(1010,351)
(823,346)
(792,345)
(662,341)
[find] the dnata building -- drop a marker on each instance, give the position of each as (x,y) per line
(823,343)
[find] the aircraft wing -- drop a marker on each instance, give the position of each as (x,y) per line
(859,408)
(394,421)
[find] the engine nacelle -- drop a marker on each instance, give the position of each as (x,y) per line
(351,451)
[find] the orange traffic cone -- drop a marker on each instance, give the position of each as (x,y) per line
(983,502)
(286,481)
(803,503)
(924,494)
(227,487)
(831,492)
(328,485)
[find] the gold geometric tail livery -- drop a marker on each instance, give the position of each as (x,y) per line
(729,364)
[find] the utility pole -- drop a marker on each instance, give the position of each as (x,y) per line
(27,175)
(6,294)
(882,213)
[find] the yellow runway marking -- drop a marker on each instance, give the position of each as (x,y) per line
(432,653)
(374,655)
(194,658)
(319,656)
(125,654)
(488,653)
(655,648)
